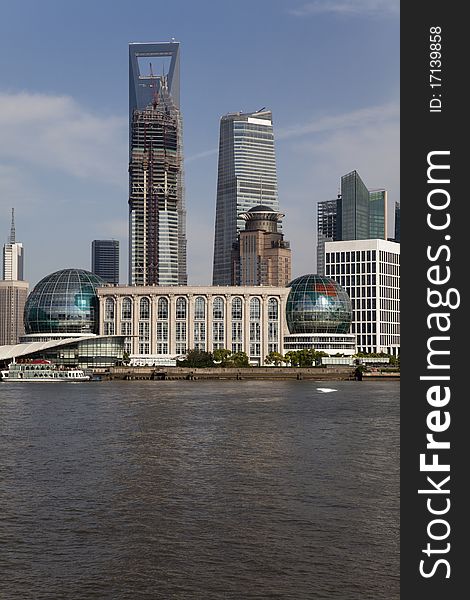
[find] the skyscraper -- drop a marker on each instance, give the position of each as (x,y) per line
(157,215)
(397,222)
(246,178)
(13,255)
(13,290)
(105,260)
(353,215)
(378,214)
(327,214)
(357,214)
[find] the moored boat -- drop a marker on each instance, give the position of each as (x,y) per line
(41,370)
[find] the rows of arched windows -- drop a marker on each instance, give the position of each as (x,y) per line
(219,308)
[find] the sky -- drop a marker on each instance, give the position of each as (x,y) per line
(328,70)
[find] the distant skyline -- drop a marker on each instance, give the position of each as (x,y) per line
(328,70)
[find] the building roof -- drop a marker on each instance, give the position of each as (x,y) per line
(260,208)
(15,350)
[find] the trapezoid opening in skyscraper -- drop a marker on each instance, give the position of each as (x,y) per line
(157,214)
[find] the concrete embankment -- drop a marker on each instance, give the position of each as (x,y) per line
(251,373)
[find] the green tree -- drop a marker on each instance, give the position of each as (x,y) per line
(239,359)
(274,358)
(198,358)
(222,357)
(292,357)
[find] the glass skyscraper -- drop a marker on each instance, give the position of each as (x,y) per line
(105,260)
(357,214)
(378,214)
(246,178)
(327,214)
(157,215)
(397,222)
(353,216)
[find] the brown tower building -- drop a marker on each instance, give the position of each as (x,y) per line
(261,256)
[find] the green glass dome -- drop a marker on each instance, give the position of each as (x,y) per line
(64,302)
(317,304)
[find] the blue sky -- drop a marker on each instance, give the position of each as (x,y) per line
(328,69)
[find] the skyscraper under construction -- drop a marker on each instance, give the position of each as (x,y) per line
(157,215)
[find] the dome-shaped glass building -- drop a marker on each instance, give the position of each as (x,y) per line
(317,304)
(64,302)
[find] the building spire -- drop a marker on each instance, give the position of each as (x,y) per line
(12,238)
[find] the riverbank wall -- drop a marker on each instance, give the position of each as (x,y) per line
(249,373)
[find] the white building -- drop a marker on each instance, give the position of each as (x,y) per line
(13,255)
(163,322)
(369,270)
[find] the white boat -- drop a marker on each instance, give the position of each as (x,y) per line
(41,370)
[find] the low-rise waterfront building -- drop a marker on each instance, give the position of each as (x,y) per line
(167,321)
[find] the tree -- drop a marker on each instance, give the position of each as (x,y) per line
(222,357)
(126,359)
(239,359)
(275,358)
(292,358)
(198,358)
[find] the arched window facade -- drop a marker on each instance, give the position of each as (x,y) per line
(200,308)
(126,309)
(237,325)
(162,336)
(162,308)
(109,316)
(181,327)
(181,308)
(126,323)
(237,309)
(218,308)
(109,309)
(144,326)
(200,323)
(144,309)
(255,329)
(218,325)
(273,325)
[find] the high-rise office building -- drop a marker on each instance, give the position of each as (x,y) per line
(397,222)
(105,260)
(246,178)
(369,270)
(353,214)
(13,290)
(13,255)
(377,214)
(261,256)
(157,215)
(327,214)
(357,214)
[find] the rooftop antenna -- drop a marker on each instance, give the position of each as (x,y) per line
(12,238)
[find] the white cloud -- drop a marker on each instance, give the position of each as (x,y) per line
(56,133)
(348,7)
(200,155)
(360,118)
